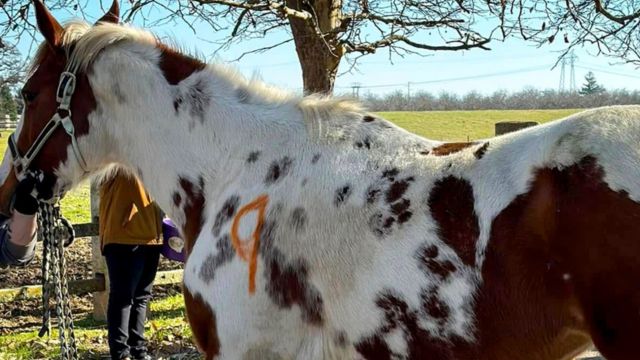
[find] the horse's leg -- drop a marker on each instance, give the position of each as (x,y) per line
(202,320)
(600,247)
(229,322)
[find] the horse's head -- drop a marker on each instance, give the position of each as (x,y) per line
(57,103)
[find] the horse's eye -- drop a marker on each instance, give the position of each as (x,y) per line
(28,96)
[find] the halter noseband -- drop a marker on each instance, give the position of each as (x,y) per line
(66,88)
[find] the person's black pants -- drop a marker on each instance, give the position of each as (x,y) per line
(132,269)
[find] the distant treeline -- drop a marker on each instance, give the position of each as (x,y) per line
(528,98)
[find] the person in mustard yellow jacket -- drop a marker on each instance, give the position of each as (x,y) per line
(130,235)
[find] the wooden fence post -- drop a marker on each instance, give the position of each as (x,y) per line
(100,299)
(504,127)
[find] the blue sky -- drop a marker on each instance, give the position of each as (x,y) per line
(509,66)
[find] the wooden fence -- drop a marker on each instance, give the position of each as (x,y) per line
(99,284)
(6,123)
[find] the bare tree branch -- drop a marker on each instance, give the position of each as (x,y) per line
(619,19)
(403,22)
(11,66)
(261,6)
(610,31)
(262,49)
(369,48)
(327,31)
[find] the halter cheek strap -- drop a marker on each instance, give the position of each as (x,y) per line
(66,88)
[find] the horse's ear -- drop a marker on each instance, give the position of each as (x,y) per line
(49,27)
(113,15)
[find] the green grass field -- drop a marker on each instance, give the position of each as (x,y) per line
(166,331)
(167,326)
(466,125)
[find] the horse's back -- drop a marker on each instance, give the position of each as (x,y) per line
(376,248)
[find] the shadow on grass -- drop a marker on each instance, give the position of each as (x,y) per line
(87,322)
(168,314)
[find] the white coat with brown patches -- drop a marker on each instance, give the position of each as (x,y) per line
(319,231)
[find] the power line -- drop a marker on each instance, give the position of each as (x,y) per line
(465,60)
(259,66)
(460,78)
(501,73)
(571,61)
(607,71)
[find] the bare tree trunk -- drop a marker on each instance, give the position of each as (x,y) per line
(319,54)
(319,65)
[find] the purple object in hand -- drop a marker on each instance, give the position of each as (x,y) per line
(173,244)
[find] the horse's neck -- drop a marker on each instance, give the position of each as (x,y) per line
(166,151)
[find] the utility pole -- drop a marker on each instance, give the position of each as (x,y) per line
(561,86)
(355,90)
(572,77)
(570,59)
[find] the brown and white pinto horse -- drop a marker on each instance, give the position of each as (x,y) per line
(316,230)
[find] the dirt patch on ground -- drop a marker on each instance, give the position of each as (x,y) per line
(78,257)
(16,315)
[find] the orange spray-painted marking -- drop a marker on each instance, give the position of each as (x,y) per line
(247,250)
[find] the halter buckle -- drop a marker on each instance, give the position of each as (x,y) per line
(67,124)
(66,87)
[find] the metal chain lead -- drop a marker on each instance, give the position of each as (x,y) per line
(43,229)
(63,233)
(56,233)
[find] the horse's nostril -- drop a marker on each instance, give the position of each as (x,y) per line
(46,187)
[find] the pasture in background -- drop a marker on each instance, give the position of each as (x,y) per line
(167,330)
(466,125)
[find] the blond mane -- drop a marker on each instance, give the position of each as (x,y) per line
(83,43)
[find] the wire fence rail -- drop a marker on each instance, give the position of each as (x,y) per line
(83,286)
